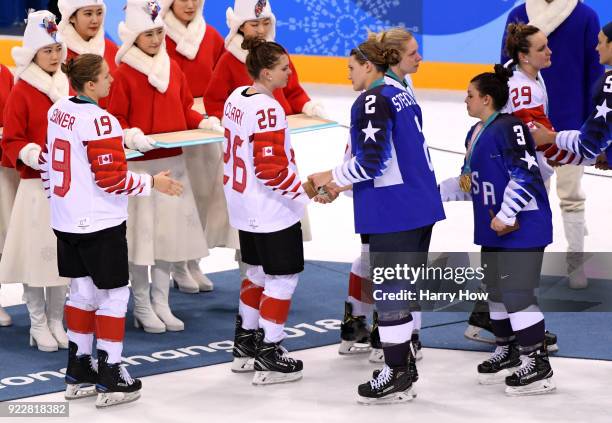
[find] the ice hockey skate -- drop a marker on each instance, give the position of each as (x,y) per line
(416,343)
(412,368)
(391,385)
(273,364)
(377,354)
(81,375)
(502,363)
(354,333)
(534,377)
(244,349)
(115,385)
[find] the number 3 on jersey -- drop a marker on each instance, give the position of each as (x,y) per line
(238,184)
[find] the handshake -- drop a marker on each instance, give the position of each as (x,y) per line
(321,188)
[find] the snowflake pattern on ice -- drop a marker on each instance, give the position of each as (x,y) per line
(334,27)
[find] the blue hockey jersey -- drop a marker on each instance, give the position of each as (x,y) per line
(595,135)
(394,186)
(506,182)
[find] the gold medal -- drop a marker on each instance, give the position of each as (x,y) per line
(465,182)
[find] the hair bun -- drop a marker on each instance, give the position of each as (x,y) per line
(251,44)
(503,72)
(68,67)
(392,56)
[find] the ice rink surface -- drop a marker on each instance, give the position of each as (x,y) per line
(447,389)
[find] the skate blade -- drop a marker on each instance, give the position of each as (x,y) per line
(553,348)
(495,378)
(473,333)
(377,356)
(540,387)
(109,399)
(352,347)
(243,365)
(80,390)
(396,398)
(264,377)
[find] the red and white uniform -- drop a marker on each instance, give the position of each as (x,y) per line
(199,69)
(528,101)
(9,179)
(138,104)
(262,184)
(84,169)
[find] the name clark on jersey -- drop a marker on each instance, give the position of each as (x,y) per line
(63,119)
(233,113)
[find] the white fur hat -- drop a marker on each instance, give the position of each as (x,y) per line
(68,7)
(248,10)
(41,31)
(140,16)
(167,4)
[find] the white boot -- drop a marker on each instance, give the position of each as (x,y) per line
(56,299)
(204,284)
(5,319)
(575,231)
(160,289)
(143,312)
(184,279)
(40,335)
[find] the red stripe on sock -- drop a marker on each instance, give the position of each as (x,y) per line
(110,328)
(78,320)
(250,294)
(273,309)
(355,286)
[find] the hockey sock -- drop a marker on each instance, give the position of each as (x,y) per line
(500,321)
(80,314)
(274,305)
(360,286)
(110,321)
(250,297)
(528,325)
(395,337)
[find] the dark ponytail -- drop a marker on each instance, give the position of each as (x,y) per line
(262,55)
(494,84)
(83,69)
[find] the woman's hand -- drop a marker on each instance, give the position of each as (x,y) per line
(497,225)
(542,135)
(320,179)
(163,183)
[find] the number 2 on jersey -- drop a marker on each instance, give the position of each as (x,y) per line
(62,166)
(230,151)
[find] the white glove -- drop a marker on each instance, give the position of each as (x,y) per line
(314,109)
(212,123)
(29,155)
(135,139)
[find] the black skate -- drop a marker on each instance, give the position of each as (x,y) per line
(551,342)
(81,374)
(273,365)
(534,377)
(416,343)
(244,349)
(411,365)
(377,354)
(391,385)
(354,333)
(502,363)
(115,385)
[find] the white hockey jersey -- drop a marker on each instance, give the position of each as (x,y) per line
(84,169)
(261,181)
(529,102)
